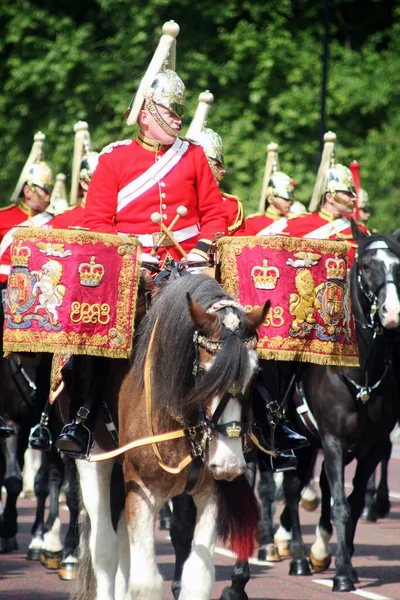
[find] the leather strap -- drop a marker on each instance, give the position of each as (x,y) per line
(152,439)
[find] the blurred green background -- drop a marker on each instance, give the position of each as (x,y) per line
(61,62)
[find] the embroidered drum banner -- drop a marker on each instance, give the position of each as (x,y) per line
(310,318)
(71,291)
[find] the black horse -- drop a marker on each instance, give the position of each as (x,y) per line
(23,391)
(17,406)
(354,410)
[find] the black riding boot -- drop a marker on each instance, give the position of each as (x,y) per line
(76,438)
(280,436)
(40,437)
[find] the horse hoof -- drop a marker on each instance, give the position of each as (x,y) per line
(354,576)
(382,507)
(369,514)
(299,566)
(283,548)
(343,584)
(68,571)
(176,589)
(51,560)
(309,505)
(229,593)
(269,553)
(34,554)
(320,565)
(8,545)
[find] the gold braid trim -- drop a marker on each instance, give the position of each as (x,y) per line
(81,343)
(322,353)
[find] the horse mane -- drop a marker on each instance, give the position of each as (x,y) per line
(173,389)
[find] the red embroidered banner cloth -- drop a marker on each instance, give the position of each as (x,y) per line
(72,291)
(306,280)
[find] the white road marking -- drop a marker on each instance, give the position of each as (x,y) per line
(362,593)
(252,561)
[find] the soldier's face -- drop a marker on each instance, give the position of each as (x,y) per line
(280,205)
(219,168)
(363,215)
(340,202)
(151,129)
(37,199)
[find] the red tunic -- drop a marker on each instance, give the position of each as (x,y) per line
(72,217)
(258,222)
(10,216)
(305,225)
(190,183)
(235,213)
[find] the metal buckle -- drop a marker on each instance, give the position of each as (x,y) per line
(82,415)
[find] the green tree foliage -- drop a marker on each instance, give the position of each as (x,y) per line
(61,62)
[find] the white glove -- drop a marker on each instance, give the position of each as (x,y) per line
(147,257)
(194,257)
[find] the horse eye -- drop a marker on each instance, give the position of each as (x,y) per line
(366,267)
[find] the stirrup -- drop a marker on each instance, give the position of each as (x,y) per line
(285,461)
(40,438)
(68,435)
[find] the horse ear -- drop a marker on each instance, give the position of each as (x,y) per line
(257,315)
(200,317)
(396,235)
(358,235)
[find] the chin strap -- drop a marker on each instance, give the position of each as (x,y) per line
(156,115)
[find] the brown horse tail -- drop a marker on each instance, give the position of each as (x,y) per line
(238,516)
(84,587)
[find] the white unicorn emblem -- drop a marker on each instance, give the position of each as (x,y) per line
(52,292)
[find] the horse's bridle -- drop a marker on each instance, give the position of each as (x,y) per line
(231,429)
(372,295)
(364,391)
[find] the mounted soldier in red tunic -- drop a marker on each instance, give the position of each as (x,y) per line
(138,188)
(214,149)
(332,204)
(29,207)
(278,192)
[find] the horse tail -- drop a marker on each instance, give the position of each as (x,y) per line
(84,587)
(238,516)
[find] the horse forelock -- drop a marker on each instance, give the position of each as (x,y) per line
(173,351)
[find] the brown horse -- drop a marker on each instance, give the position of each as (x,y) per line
(193,361)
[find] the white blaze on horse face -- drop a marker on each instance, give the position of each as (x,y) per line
(389,309)
(226,454)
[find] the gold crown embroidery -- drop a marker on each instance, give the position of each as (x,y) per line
(20,255)
(336,268)
(265,277)
(91,274)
